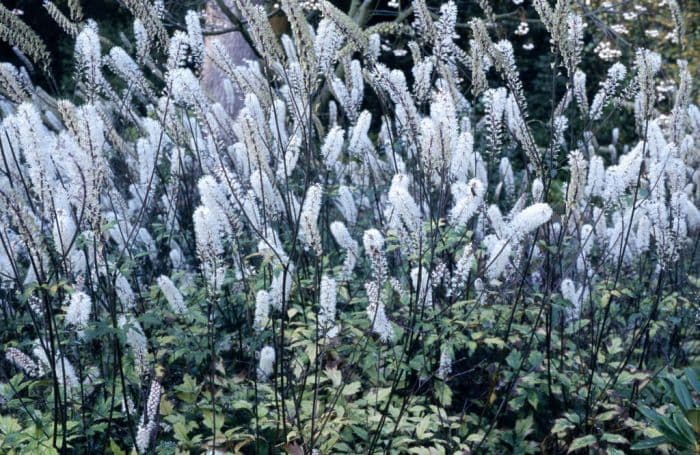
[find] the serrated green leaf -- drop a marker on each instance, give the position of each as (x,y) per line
(444,393)
(561,425)
(351,388)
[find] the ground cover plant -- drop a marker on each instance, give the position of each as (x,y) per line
(383,250)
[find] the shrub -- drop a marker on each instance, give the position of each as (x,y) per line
(361,259)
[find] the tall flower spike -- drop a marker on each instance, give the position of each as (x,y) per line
(124,292)
(377,314)
(580,90)
(445,365)
(332,147)
(498,256)
(122,64)
(262,310)
(444,46)
(577,180)
(595,183)
(185,89)
(342,236)
(574,295)
(172,295)
(266,365)
(326,314)
(64,370)
(327,42)
(137,341)
(537,190)
(281,287)
(403,206)
(647,63)
(420,279)
(260,30)
(143,43)
(574,41)
(507,178)
(616,74)
(519,129)
(266,193)
(148,424)
(422,73)
(79,310)
(195,38)
(495,101)
(461,272)
(495,217)
(24,362)
(308,224)
(89,58)
(345,203)
(373,242)
(468,198)
(529,219)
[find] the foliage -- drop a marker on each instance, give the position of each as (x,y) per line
(681,427)
(386,250)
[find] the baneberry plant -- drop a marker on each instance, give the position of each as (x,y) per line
(382,251)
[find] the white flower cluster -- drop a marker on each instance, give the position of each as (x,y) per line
(327,302)
(454,196)
(78,310)
(146,430)
(266,363)
(172,295)
(24,362)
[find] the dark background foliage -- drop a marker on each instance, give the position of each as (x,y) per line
(114,19)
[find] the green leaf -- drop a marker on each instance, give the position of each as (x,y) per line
(9,426)
(181,433)
(605,416)
(614,438)
(533,399)
(649,443)
(513,359)
(669,429)
(422,429)
(693,416)
(561,425)
(116,450)
(444,393)
(351,388)
(582,442)
(523,426)
(684,428)
(682,395)
(650,414)
(693,379)
(494,341)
